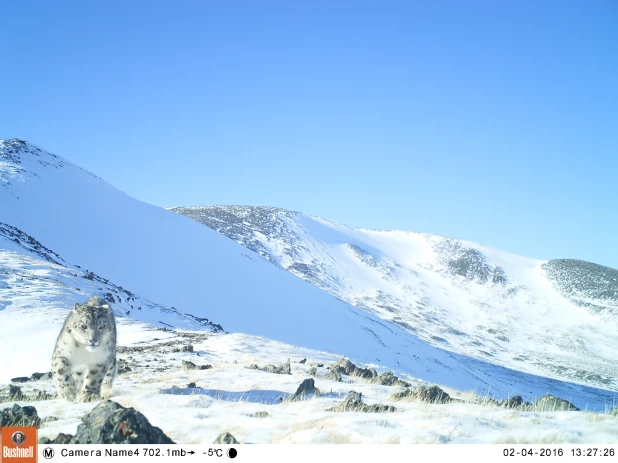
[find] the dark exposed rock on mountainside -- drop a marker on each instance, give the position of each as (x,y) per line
(585,284)
(437,288)
(468,262)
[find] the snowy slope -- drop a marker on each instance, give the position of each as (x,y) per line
(230,397)
(59,219)
(557,319)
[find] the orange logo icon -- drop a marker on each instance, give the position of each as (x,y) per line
(19,445)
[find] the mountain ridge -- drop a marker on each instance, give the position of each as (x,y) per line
(407,267)
(176,262)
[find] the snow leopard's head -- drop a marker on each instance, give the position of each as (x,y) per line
(93,323)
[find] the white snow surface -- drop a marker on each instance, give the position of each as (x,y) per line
(178,273)
(227,397)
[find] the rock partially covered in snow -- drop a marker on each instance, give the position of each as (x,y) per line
(305,391)
(353,403)
(388,379)
(551,404)
(226,438)
(283,369)
(432,394)
(111,423)
(345,367)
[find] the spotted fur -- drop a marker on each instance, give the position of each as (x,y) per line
(84,360)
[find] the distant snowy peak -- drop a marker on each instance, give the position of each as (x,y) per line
(276,234)
(18,157)
(556,318)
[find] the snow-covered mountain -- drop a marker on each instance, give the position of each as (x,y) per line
(552,318)
(66,234)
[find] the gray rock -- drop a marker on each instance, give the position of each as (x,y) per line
(191,385)
(313,371)
(19,416)
(514,402)
(20,379)
(283,369)
(226,438)
(49,419)
(41,395)
(188,348)
(332,375)
(550,403)
(353,403)
(388,379)
(187,365)
(260,415)
(15,394)
(306,390)
(432,394)
(61,438)
(37,376)
(344,366)
(111,423)
(123,366)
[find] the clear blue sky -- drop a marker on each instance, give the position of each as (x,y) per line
(492,121)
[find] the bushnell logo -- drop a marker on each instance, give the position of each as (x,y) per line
(19,445)
(18,438)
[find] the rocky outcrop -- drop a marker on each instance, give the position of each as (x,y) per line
(226,438)
(111,423)
(550,403)
(388,379)
(514,402)
(353,403)
(431,394)
(305,391)
(345,367)
(187,365)
(283,369)
(19,416)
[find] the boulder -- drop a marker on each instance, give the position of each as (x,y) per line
(431,394)
(549,403)
(346,367)
(226,438)
(283,369)
(111,423)
(516,401)
(19,416)
(306,390)
(187,365)
(20,379)
(388,379)
(353,403)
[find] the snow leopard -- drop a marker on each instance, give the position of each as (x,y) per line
(84,360)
